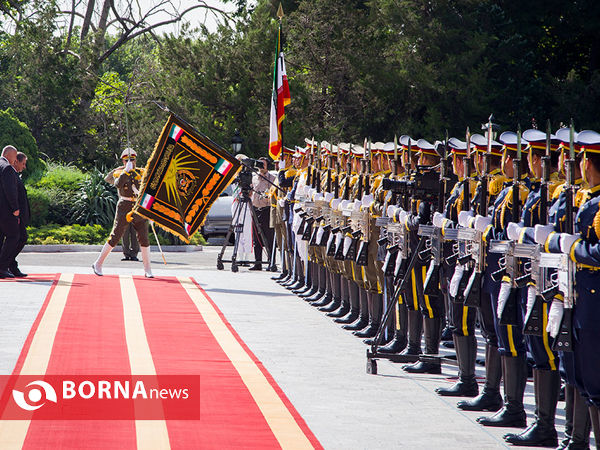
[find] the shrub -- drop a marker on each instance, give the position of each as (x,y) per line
(95,202)
(16,133)
(67,234)
(59,176)
(39,203)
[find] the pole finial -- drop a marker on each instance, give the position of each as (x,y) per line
(280,11)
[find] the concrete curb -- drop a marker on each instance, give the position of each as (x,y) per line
(60,248)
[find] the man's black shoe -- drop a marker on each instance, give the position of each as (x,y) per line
(256,267)
(126,258)
(17,273)
(6,274)
(133,258)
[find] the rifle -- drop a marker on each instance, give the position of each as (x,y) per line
(533,324)
(509,263)
(564,340)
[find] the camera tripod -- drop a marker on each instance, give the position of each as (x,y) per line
(236,226)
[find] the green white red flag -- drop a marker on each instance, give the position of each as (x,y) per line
(280,99)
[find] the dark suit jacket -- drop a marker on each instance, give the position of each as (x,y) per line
(24,212)
(9,198)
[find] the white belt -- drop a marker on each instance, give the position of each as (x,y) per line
(131,199)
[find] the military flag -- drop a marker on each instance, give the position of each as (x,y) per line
(280,98)
(185,174)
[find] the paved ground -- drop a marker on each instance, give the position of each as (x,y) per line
(320,367)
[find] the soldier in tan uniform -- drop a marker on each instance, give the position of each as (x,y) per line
(127,181)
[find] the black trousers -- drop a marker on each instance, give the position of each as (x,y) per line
(9,240)
(263,216)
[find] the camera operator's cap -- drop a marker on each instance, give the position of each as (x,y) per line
(589,141)
(426,148)
(481,145)
(509,142)
(128,152)
(537,140)
(405,139)
(563,135)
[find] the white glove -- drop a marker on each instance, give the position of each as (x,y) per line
(513,231)
(335,203)
(555,317)
(343,204)
(367,199)
(391,209)
(438,219)
(357,205)
(403,217)
(329,240)
(318,196)
(320,232)
(566,242)
(347,242)
(129,166)
(481,223)
(530,300)
(463,218)
(281,164)
(459,271)
(502,298)
(541,233)
(281,202)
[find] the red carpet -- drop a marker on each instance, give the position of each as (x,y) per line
(119,326)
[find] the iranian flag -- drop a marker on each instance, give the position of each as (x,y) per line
(280,99)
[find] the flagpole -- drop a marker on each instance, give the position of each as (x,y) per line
(279,47)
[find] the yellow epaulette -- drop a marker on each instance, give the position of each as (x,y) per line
(553,187)
(581,196)
(558,189)
(496,184)
(117,173)
(291,172)
(354,179)
(472,187)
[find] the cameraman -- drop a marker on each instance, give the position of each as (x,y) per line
(262,207)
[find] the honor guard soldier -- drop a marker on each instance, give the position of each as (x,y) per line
(127,180)
(285,180)
(461,317)
(432,309)
(489,399)
(583,248)
(546,377)
(511,342)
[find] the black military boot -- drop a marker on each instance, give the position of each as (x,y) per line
(374,301)
(595,421)
(314,281)
(353,299)
(490,398)
(433,331)
(542,432)
(466,352)
(577,437)
(344,306)
(328,297)
(335,292)
(363,314)
(513,413)
(320,275)
(399,341)
(415,333)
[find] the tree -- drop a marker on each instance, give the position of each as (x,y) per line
(16,133)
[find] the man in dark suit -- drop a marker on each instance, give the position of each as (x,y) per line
(20,165)
(9,210)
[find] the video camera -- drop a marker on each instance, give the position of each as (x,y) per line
(253,163)
(425,186)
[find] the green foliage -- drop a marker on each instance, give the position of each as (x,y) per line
(61,176)
(16,133)
(95,202)
(39,203)
(68,234)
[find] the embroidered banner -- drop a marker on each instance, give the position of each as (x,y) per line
(185,174)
